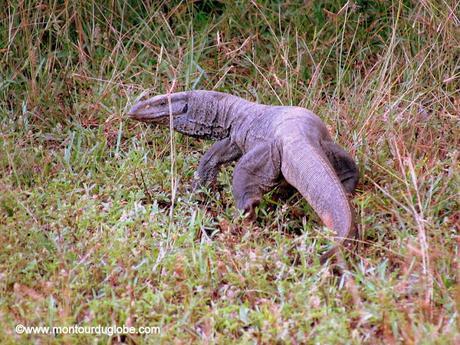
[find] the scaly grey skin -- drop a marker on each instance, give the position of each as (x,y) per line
(273,145)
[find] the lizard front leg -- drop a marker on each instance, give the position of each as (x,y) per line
(221,152)
(256,173)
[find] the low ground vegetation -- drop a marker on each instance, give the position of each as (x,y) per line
(97,224)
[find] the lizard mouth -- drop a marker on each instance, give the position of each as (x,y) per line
(134,114)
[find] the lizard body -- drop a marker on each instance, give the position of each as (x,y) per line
(272,144)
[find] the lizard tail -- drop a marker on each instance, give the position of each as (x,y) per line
(306,167)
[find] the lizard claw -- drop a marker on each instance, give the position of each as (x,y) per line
(196,185)
(250,215)
(250,209)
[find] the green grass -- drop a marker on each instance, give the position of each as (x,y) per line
(97,225)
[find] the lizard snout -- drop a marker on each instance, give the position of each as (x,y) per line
(134,112)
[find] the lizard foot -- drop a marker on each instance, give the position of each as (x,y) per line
(249,208)
(198,185)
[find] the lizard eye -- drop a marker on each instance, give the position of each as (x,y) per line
(163,102)
(184,110)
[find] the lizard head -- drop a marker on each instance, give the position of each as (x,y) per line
(158,110)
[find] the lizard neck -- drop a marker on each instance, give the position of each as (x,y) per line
(211,114)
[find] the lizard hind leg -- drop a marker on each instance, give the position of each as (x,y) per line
(255,174)
(343,164)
